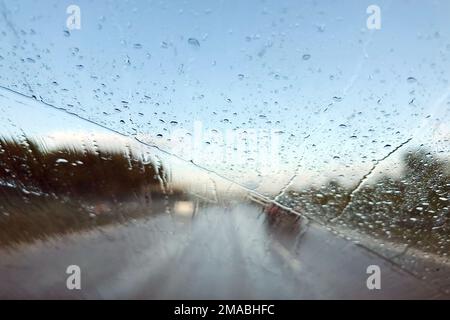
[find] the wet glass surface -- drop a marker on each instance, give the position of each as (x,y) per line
(159,144)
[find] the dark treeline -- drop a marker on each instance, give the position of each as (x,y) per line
(412,209)
(77,173)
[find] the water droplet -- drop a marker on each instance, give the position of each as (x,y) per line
(194,42)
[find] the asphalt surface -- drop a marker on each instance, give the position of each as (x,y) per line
(234,252)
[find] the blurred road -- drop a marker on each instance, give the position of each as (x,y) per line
(220,253)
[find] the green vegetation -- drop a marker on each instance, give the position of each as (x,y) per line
(412,209)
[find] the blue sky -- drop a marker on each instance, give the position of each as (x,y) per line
(347,105)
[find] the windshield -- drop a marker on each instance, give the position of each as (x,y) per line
(275,142)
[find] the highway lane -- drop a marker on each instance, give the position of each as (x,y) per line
(224,252)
